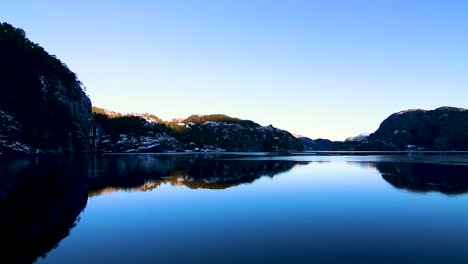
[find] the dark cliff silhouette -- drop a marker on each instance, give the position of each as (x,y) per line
(43,107)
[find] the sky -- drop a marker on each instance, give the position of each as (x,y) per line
(322,69)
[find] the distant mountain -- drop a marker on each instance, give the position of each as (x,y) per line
(43,107)
(232,134)
(358,138)
(317,144)
(144,133)
(445,128)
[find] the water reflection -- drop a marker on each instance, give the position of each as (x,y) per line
(39,203)
(146,172)
(423,177)
(41,199)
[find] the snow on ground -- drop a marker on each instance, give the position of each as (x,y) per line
(149,118)
(129,143)
(359,137)
(8,119)
(15,146)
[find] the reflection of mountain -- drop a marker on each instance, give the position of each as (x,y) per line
(127,172)
(39,204)
(145,172)
(222,174)
(41,198)
(424,177)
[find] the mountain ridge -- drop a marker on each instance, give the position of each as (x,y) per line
(217,132)
(44,109)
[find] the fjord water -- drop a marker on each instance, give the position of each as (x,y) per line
(238,208)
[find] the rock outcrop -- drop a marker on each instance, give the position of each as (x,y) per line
(445,128)
(43,107)
(442,129)
(146,133)
(220,132)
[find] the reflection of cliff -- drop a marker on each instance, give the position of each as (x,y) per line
(127,172)
(39,204)
(423,177)
(222,174)
(146,172)
(41,198)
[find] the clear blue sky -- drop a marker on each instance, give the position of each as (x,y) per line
(327,69)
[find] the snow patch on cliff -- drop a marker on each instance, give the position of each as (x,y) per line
(358,138)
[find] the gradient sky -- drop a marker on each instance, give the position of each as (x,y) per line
(329,69)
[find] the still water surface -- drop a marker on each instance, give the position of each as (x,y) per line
(303,208)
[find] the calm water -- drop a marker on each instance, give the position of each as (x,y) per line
(303,208)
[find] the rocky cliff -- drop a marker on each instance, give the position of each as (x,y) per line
(43,107)
(445,128)
(220,132)
(147,133)
(441,129)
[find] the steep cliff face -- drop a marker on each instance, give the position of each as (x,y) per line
(42,104)
(445,128)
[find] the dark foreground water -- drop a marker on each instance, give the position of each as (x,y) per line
(304,208)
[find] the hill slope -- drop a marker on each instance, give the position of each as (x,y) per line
(147,133)
(441,129)
(445,128)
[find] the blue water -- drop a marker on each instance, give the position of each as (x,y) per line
(303,208)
